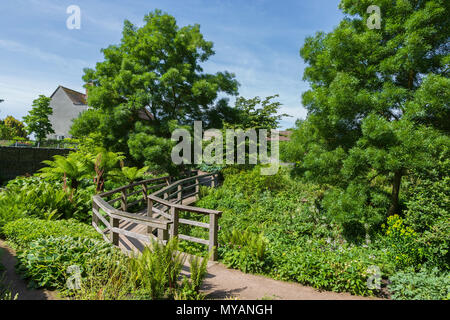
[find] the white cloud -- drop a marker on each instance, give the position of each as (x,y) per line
(49,57)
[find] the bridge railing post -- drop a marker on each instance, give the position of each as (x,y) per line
(213,230)
(175,218)
(197,186)
(114,235)
(144,190)
(179,194)
(163,235)
(94,217)
(149,213)
(123,200)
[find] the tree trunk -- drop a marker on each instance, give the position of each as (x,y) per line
(74,183)
(394,208)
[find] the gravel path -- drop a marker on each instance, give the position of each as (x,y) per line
(220,283)
(224,283)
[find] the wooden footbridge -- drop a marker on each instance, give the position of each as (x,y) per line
(130,216)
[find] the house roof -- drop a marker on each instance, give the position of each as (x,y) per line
(283,136)
(75,96)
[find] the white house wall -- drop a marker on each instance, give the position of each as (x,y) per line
(64,111)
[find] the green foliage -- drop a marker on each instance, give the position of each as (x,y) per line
(427,202)
(130,175)
(152,275)
(309,240)
(327,265)
(359,209)
(148,147)
(11,128)
(403,248)
(152,77)
(73,167)
(10,208)
(98,163)
(89,121)
(244,250)
(44,199)
(377,103)
(155,272)
(22,232)
(250,116)
(198,270)
(431,103)
(37,119)
(302,243)
(251,181)
(422,285)
(190,288)
(45,262)
(108,278)
(104,163)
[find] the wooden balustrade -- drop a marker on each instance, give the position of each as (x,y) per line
(162,212)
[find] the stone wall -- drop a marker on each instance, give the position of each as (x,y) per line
(19,161)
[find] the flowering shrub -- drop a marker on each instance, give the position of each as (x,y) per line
(403,247)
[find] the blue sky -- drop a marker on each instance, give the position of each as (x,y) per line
(258,40)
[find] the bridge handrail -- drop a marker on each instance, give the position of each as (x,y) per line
(162,214)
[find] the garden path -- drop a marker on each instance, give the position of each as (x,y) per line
(224,283)
(15,282)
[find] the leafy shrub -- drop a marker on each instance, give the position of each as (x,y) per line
(423,285)
(10,209)
(152,275)
(244,250)
(330,266)
(47,200)
(436,242)
(304,244)
(190,287)
(403,247)
(107,279)
(251,181)
(359,209)
(23,231)
(427,202)
(211,167)
(45,261)
(155,272)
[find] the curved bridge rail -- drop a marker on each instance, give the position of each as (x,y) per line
(161,217)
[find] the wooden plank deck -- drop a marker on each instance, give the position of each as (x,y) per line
(129,244)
